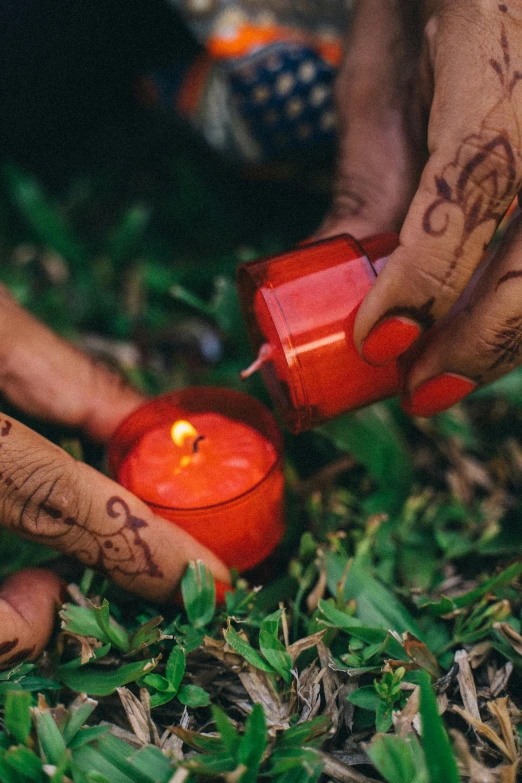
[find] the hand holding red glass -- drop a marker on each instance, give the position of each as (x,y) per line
(300,309)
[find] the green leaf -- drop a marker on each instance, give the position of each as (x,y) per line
(436,745)
(79,712)
(246,651)
(160,698)
(159,683)
(253,744)
(25,762)
(337,618)
(365,697)
(398,759)
(383,717)
(175,668)
(193,696)
(146,634)
(304,733)
(94,621)
(125,237)
(88,734)
(376,605)
(229,735)
(48,223)
(100,682)
(375,440)
(114,759)
(50,738)
(7,773)
(199,593)
(447,605)
(276,654)
(153,762)
(17,715)
(114,632)
(270,623)
(211,765)
(285,759)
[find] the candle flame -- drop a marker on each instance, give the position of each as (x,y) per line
(181,430)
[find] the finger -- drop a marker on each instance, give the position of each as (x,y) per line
(28,603)
(471,178)
(49,497)
(479,344)
(380,156)
(48,377)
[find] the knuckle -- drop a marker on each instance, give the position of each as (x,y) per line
(354,196)
(434,276)
(42,501)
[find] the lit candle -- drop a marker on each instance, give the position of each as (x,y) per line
(209,460)
(300,309)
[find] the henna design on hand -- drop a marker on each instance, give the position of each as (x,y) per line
(5,428)
(508,276)
(6,647)
(479,183)
(123,551)
(19,656)
(508,346)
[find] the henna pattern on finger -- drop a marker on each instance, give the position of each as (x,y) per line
(484,175)
(508,345)
(122,551)
(6,647)
(19,656)
(508,276)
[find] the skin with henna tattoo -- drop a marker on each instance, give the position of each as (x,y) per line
(508,347)
(485,171)
(114,549)
(55,500)
(513,275)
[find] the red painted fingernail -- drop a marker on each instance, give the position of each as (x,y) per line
(387,341)
(437,394)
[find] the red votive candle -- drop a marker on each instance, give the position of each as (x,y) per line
(210,460)
(300,310)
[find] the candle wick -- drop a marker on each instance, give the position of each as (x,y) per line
(264,355)
(195,446)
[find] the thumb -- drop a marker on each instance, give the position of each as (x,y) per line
(28,603)
(380,128)
(48,497)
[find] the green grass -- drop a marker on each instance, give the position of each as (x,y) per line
(390,567)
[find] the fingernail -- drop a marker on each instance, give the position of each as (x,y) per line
(387,341)
(437,394)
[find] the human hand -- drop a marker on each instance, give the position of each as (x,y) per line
(48,497)
(467,74)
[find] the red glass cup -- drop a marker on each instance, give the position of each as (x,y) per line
(243,530)
(300,309)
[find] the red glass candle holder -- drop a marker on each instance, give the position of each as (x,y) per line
(300,309)
(243,529)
